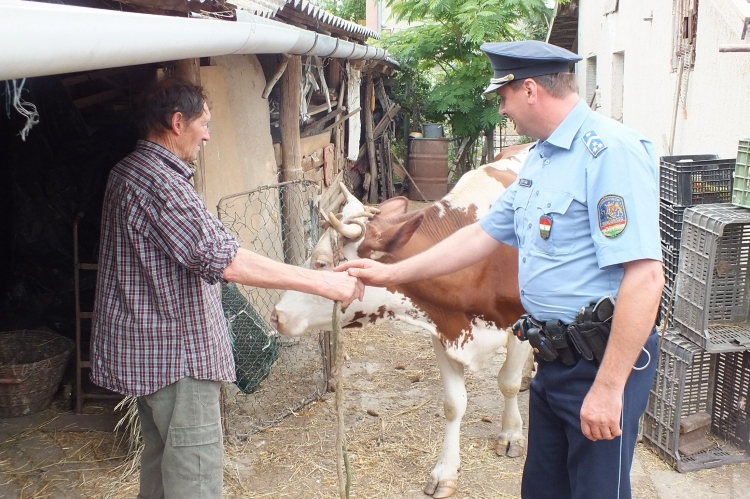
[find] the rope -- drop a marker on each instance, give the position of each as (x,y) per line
(26,109)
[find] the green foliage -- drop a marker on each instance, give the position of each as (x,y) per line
(351,10)
(443,72)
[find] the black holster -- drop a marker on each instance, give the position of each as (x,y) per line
(590,339)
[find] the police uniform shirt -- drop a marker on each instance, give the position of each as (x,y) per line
(585,201)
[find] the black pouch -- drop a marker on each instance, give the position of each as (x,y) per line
(590,338)
(557,334)
(541,344)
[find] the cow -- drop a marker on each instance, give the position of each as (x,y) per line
(467,313)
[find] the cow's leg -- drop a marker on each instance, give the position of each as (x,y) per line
(528,372)
(444,477)
(511,441)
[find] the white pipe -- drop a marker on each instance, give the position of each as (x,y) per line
(43,39)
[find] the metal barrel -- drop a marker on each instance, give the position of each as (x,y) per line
(428,167)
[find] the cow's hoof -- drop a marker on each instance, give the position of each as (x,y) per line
(525,383)
(440,489)
(515,449)
(509,448)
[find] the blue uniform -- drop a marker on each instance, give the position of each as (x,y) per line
(585,202)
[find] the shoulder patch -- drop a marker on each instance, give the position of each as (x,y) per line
(612,215)
(594,144)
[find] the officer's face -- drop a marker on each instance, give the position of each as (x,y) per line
(512,104)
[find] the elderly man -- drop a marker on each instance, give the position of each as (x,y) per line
(158,332)
(584,217)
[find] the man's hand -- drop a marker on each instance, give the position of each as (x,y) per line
(370,272)
(341,287)
(600,413)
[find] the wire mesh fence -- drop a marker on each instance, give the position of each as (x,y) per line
(276,375)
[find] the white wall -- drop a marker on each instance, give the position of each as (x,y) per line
(717,114)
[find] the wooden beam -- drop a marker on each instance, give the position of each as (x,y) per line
(369,140)
(276,75)
(381,126)
(291,158)
(332,125)
(734,48)
(105,96)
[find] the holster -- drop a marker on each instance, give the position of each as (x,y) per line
(590,338)
(556,332)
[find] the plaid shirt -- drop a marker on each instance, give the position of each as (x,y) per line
(158,315)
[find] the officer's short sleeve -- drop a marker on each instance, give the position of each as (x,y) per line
(499,221)
(623,201)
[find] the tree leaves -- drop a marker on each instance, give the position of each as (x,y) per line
(441,63)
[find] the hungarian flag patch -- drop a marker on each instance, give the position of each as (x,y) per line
(612,216)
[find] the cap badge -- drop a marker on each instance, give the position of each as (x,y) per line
(503,79)
(594,144)
(612,216)
(545,226)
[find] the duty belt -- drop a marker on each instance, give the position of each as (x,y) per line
(587,336)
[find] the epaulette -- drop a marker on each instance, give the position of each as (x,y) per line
(594,144)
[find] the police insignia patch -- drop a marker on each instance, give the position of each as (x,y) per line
(545,226)
(524,182)
(594,144)
(612,216)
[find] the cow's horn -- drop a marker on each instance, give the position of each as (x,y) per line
(372,209)
(349,196)
(349,231)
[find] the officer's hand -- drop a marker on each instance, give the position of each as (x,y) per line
(342,287)
(600,414)
(372,273)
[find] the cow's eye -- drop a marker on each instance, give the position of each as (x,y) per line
(321,264)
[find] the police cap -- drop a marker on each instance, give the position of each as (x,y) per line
(525,59)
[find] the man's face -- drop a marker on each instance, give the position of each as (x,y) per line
(192,136)
(512,105)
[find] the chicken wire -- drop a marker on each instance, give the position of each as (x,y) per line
(276,375)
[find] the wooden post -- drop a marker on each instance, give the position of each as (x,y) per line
(291,160)
(367,107)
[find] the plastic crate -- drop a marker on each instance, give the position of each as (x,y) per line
(666,307)
(695,179)
(731,408)
(680,389)
(741,186)
(670,225)
(670,259)
(712,304)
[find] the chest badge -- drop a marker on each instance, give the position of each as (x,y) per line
(612,216)
(524,182)
(545,226)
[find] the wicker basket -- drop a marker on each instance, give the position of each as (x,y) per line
(31,367)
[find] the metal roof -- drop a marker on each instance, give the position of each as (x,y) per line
(270,8)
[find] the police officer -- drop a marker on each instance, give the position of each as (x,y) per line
(583,214)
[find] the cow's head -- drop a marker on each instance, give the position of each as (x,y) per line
(298,312)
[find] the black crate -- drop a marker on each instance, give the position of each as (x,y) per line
(670,225)
(687,378)
(696,179)
(671,260)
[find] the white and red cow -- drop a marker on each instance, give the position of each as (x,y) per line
(467,313)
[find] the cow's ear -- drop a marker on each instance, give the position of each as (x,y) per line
(394,207)
(398,235)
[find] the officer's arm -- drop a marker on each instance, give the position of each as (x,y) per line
(635,313)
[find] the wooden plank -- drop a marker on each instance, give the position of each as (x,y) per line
(735,47)
(334,125)
(369,139)
(381,126)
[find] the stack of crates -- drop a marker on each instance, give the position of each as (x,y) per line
(686,181)
(698,415)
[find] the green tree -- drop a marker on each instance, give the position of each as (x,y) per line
(443,70)
(351,10)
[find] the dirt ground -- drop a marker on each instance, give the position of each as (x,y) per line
(393,407)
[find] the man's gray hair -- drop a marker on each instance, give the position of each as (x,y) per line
(558,85)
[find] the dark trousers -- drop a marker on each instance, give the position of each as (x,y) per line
(562,463)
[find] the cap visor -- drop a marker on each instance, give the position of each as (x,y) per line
(491,89)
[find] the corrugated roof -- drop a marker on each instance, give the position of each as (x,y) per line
(270,8)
